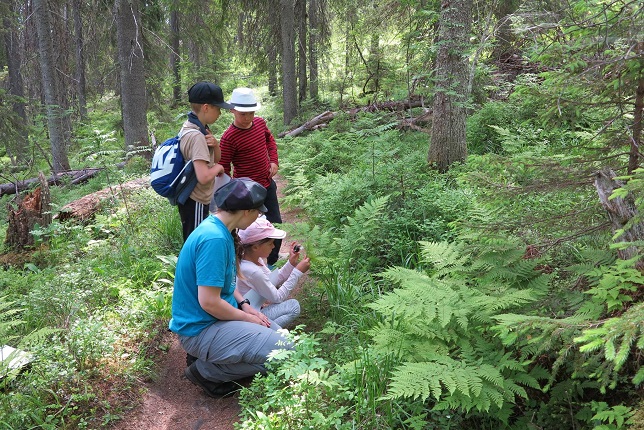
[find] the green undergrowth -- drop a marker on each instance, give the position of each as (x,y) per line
(489,297)
(476,299)
(89,305)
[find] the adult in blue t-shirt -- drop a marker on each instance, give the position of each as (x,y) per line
(228,337)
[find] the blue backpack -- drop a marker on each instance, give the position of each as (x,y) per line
(170,175)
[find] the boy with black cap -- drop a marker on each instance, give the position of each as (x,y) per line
(206,100)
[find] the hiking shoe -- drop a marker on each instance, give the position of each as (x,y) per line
(190,359)
(213,389)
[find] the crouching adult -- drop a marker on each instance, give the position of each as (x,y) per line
(229,338)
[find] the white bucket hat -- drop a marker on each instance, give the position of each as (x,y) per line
(243,100)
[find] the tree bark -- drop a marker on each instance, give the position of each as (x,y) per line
(32,209)
(80,59)
(313,49)
(504,46)
(620,211)
(448,144)
(300,12)
(85,207)
(272,70)
(634,156)
(17,145)
(174,57)
(132,75)
(75,177)
(50,87)
(289,81)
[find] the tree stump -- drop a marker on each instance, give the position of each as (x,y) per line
(620,211)
(32,209)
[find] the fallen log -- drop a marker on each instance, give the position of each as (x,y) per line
(85,207)
(76,177)
(323,119)
(391,106)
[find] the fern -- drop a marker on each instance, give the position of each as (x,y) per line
(8,320)
(440,327)
(361,234)
(298,191)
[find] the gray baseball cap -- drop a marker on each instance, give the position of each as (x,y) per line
(241,194)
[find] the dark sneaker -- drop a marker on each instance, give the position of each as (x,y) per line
(190,359)
(213,389)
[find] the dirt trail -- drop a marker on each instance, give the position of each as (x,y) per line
(174,403)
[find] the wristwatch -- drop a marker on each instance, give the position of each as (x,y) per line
(240,304)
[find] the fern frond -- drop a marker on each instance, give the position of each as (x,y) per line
(446,257)
(298,190)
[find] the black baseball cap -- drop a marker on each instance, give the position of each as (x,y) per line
(208,93)
(241,194)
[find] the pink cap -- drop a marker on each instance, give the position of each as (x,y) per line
(259,230)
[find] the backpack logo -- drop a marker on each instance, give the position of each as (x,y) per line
(167,166)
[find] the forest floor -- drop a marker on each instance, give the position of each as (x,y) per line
(172,402)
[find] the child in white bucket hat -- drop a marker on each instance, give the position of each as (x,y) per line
(258,284)
(248,149)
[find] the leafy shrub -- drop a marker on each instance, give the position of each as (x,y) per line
(481,136)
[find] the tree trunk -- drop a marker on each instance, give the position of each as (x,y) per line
(50,87)
(62,44)
(174,57)
(132,75)
(634,157)
(620,211)
(448,144)
(289,82)
(313,49)
(373,67)
(300,13)
(17,145)
(272,70)
(504,46)
(80,59)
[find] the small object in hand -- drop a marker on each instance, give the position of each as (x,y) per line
(296,248)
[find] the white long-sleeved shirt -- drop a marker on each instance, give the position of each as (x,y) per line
(274,286)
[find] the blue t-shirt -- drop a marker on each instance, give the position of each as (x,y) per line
(207,259)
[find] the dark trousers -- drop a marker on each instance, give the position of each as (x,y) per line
(192,213)
(274,216)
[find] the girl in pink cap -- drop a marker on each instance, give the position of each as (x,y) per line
(258,284)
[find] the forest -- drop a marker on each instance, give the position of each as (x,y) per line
(467,178)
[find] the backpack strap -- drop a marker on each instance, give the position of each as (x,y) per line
(185,131)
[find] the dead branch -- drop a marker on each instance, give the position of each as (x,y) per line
(76,176)
(324,118)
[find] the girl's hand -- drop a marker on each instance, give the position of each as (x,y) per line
(293,255)
(304,265)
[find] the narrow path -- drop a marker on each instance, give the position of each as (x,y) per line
(171,402)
